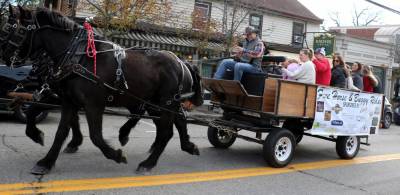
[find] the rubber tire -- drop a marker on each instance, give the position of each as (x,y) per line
(386,124)
(296,127)
(20,115)
(212,135)
(269,147)
(341,147)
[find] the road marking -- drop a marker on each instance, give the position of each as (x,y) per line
(157,180)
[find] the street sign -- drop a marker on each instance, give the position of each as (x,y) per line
(326,41)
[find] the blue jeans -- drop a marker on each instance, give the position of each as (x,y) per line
(238,69)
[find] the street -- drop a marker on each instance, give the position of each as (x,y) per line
(237,170)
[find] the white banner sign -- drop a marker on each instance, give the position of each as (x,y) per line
(341,112)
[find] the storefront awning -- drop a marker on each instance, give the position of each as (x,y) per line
(173,43)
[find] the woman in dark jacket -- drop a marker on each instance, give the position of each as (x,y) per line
(339,72)
(357,75)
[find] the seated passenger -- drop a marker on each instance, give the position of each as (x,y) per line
(339,72)
(250,56)
(291,65)
(306,72)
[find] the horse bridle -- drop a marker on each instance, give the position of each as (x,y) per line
(7,30)
(18,38)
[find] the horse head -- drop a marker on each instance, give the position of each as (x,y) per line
(8,26)
(39,30)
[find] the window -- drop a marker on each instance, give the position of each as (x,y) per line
(298,34)
(201,14)
(256,22)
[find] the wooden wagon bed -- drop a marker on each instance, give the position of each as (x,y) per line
(280,98)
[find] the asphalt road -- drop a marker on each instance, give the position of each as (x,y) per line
(237,170)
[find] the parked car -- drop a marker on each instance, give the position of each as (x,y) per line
(387,115)
(9,79)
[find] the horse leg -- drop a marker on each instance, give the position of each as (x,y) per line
(125,130)
(94,115)
(44,165)
(31,130)
(77,136)
(186,144)
(165,133)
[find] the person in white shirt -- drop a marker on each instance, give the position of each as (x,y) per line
(306,72)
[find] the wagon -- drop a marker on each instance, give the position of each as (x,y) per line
(286,111)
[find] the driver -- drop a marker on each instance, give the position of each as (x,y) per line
(250,56)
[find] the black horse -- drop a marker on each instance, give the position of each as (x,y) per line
(151,76)
(41,74)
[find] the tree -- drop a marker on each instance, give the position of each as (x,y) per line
(125,14)
(334,16)
(364,17)
(235,13)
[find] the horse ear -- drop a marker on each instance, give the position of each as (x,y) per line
(21,10)
(10,10)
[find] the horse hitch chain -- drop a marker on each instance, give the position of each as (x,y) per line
(38,95)
(228,130)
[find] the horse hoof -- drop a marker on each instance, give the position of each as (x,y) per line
(39,170)
(123,140)
(192,149)
(196,151)
(122,157)
(37,137)
(143,170)
(70,150)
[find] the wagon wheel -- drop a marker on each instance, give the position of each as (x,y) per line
(296,127)
(347,147)
(279,148)
(219,138)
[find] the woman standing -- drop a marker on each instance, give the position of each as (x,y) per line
(369,79)
(339,72)
(306,72)
(357,75)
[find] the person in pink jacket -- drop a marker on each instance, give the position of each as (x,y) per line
(322,67)
(291,65)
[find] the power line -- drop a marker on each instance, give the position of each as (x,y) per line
(383,6)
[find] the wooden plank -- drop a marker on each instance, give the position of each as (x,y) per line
(311,101)
(291,99)
(270,89)
(248,102)
(227,87)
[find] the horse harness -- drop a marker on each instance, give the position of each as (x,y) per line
(74,54)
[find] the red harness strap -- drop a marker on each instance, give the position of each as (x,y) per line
(91,47)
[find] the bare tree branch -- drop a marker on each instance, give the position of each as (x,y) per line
(334,16)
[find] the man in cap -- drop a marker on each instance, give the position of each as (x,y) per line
(250,56)
(322,67)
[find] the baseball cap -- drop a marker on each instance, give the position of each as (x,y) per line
(320,51)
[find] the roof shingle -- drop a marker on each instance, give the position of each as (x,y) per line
(292,8)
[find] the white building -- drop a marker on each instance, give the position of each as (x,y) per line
(282,23)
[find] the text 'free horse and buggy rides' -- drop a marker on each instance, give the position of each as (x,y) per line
(287,110)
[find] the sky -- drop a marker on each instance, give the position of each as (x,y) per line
(345,8)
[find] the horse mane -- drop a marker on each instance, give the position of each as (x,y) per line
(56,18)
